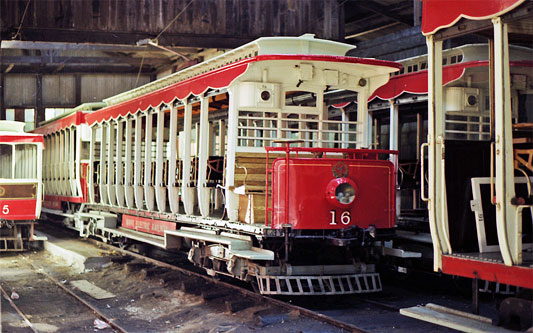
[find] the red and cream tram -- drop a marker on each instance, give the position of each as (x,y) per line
(399,113)
(21,185)
(478,191)
(242,161)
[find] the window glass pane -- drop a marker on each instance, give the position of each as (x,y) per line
(29,119)
(6,160)
(25,161)
(10,114)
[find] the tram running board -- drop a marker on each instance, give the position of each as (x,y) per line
(239,246)
(319,285)
(458,320)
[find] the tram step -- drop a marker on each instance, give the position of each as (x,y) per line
(240,246)
(319,285)
(458,320)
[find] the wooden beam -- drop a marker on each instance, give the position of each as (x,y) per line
(77,89)
(28,45)
(104,37)
(39,114)
(2,100)
(82,60)
(81,69)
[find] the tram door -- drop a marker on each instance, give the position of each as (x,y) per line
(407,138)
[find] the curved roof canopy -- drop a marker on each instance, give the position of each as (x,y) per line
(438,14)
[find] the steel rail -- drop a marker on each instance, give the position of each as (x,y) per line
(14,306)
(99,314)
(306,312)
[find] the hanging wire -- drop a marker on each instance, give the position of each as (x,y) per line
(22,20)
(174,19)
(139,73)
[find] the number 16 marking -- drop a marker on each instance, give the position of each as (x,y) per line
(345,217)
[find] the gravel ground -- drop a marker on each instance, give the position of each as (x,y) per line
(147,299)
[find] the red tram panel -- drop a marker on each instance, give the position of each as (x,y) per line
(315,199)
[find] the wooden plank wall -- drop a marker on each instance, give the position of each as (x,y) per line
(205,23)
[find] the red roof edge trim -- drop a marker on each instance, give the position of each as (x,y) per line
(417,82)
(21,138)
(74,119)
(439,14)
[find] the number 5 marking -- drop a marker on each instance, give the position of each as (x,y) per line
(5,209)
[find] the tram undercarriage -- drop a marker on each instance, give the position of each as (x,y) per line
(251,253)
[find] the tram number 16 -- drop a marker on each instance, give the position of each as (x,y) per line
(345,217)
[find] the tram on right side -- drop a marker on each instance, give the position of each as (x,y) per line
(494,173)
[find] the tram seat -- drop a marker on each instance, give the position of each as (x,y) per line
(215,170)
(250,184)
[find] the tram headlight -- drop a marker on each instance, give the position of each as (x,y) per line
(341,192)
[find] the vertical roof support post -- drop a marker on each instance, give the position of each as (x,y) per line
(160,187)
(173,193)
(90,173)
(203,141)
(128,184)
(187,191)
(77,171)
(103,164)
(393,129)
(137,185)
(507,226)
(148,185)
(438,213)
(232,199)
(364,124)
(111,162)
(119,181)
(40,195)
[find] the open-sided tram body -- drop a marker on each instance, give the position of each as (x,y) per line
(242,161)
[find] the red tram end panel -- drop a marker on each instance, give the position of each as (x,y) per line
(325,193)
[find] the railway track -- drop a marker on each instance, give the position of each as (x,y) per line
(244,292)
(53,298)
(374,313)
(170,277)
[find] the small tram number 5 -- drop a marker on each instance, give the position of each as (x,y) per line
(346,218)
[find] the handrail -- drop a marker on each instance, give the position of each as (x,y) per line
(333,150)
(422,178)
(492,198)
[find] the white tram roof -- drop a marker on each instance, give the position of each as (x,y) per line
(306,44)
(13,132)
(12,126)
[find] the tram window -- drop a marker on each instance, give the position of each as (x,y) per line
(423,65)
(460,58)
(6,161)
(415,68)
(444,61)
(453,60)
(525,108)
(25,161)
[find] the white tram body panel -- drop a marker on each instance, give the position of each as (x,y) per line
(181,161)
